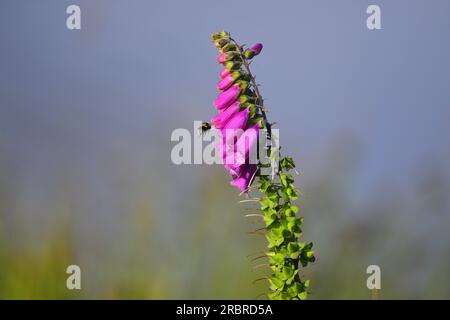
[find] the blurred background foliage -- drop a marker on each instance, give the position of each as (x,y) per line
(85,124)
(207,251)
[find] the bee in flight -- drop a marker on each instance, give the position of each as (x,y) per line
(204,127)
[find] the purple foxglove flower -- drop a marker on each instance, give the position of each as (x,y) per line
(226,98)
(230,164)
(234,127)
(230,132)
(247,174)
(226,82)
(229,158)
(246,143)
(221,119)
(224,73)
(226,151)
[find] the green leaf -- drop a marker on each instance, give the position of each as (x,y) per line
(297,231)
(287,163)
(286,179)
(292,291)
(267,203)
(303,295)
(273,295)
(270,201)
(294,193)
(273,196)
(293,247)
(286,233)
(294,255)
(301,245)
(292,277)
(276,258)
(276,283)
(307,255)
(289,210)
(291,223)
(264,186)
(275,238)
(285,296)
(288,272)
(270,218)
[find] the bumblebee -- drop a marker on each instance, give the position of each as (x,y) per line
(204,127)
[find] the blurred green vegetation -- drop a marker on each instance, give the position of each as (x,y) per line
(204,251)
(208,260)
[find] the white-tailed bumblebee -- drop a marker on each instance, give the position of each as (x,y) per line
(204,127)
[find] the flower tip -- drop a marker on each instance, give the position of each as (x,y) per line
(253,51)
(222,58)
(224,73)
(257,48)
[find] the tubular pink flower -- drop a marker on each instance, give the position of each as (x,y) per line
(221,119)
(233,168)
(221,149)
(243,181)
(222,58)
(226,151)
(230,132)
(246,145)
(229,159)
(226,98)
(224,73)
(225,83)
(234,127)
(228,80)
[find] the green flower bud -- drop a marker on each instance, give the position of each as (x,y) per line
(243,85)
(233,65)
(220,43)
(229,47)
(246,99)
(253,51)
(249,54)
(251,110)
(215,36)
(219,35)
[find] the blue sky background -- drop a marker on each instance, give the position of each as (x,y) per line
(89,113)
